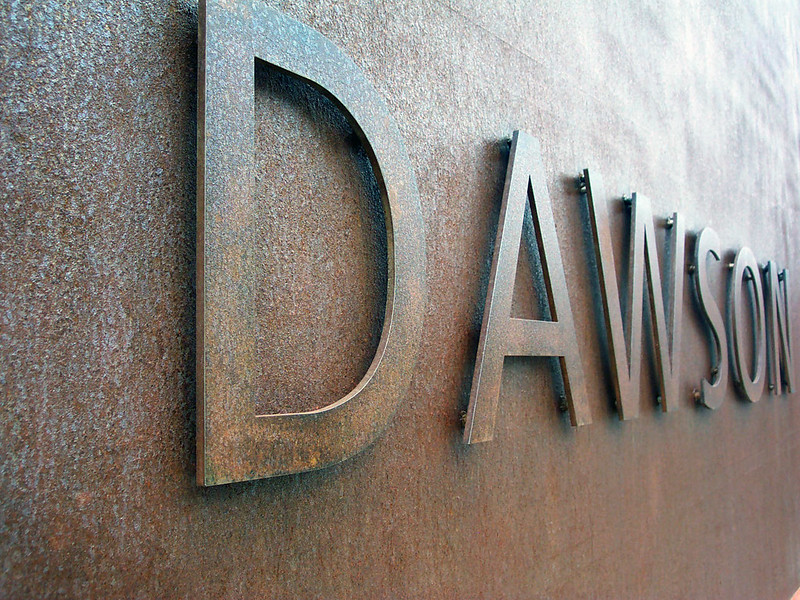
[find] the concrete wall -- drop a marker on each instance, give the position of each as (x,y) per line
(691,103)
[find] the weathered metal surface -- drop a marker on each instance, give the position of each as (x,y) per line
(503,335)
(692,104)
(235,441)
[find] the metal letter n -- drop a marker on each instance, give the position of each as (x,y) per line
(779,338)
(234,442)
(503,335)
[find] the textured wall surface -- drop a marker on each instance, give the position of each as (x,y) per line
(693,104)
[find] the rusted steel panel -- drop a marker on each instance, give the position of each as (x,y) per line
(693,105)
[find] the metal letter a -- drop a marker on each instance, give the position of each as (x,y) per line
(503,335)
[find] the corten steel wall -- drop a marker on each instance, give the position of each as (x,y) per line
(693,104)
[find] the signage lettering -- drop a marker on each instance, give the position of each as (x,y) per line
(626,353)
(779,355)
(711,394)
(234,443)
(502,335)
